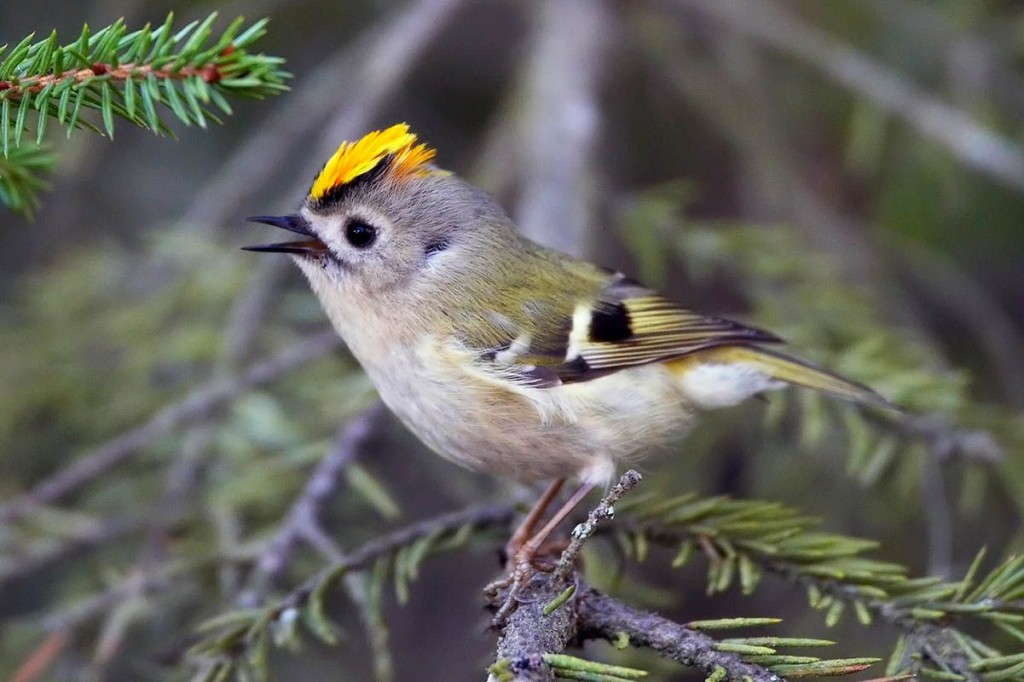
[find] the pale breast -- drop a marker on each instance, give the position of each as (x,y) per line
(477,417)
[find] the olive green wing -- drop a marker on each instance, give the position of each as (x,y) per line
(623,325)
(637,327)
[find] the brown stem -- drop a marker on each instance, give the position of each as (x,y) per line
(603,617)
(121,72)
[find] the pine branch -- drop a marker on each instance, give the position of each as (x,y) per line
(742,540)
(238,641)
(136,77)
(557,609)
(21,180)
(756,659)
(592,615)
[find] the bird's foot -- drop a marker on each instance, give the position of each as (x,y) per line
(512,585)
(525,565)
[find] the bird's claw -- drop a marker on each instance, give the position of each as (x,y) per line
(524,571)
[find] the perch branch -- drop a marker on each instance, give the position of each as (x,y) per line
(532,624)
(602,617)
(529,632)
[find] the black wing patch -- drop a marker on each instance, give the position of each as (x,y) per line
(660,330)
(610,323)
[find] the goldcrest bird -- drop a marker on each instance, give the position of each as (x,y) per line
(503,355)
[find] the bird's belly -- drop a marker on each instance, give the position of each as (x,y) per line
(571,431)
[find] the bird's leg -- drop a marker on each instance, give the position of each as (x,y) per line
(522,561)
(526,553)
(523,533)
(526,528)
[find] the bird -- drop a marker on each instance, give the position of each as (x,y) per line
(503,355)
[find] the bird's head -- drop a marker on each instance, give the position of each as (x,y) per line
(380,215)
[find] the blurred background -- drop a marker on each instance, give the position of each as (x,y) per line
(849,175)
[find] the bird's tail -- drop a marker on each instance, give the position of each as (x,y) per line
(781,367)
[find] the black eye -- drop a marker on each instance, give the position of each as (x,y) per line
(437,246)
(360,234)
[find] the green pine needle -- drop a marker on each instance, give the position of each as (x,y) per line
(112,75)
(21,177)
(770,538)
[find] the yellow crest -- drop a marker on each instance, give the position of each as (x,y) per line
(353,159)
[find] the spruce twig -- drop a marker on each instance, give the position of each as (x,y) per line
(743,539)
(548,618)
(583,532)
(238,639)
(136,77)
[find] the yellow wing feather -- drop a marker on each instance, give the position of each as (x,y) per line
(638,329)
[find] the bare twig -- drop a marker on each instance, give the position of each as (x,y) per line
(302,520)
(973,144)
(96,535)
(602,617)
(41,658)
(193,407)
(585,530)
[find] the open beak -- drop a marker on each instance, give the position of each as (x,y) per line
(293,223)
